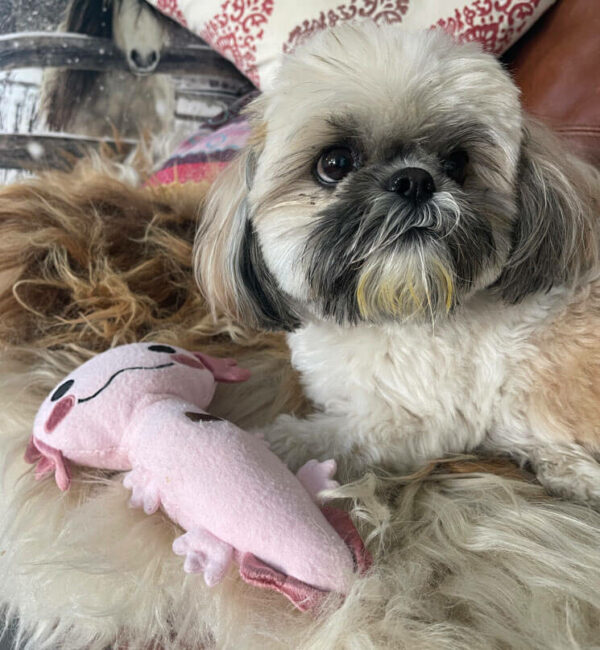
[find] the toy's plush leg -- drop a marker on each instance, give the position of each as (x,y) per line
(144,493)
(48,460)
(316,477)
(204,553)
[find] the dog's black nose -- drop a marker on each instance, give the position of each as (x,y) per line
(414,183)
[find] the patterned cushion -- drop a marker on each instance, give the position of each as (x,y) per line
(253,33)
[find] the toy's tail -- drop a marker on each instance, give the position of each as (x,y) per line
(306,597)
(48,460)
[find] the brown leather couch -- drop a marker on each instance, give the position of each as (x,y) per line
(557,66)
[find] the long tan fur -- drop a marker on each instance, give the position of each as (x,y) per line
(104,264)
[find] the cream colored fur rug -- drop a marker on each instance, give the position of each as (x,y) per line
(468,553)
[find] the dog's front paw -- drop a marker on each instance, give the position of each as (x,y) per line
(568,471)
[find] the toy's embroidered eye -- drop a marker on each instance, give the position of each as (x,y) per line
(61,390)
(162,348)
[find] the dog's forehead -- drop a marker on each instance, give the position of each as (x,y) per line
(378,84)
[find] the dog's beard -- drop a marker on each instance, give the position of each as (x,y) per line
(374,257)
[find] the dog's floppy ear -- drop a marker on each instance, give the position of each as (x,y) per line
(555,237)
(228,260)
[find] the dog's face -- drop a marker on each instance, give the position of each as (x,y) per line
(381,183)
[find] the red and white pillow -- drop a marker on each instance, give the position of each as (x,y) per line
(252,33)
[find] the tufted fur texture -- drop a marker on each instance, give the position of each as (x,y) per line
(470,553)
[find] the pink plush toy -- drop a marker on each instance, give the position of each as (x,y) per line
(140,407)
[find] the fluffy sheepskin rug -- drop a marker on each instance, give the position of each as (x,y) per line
(469,553)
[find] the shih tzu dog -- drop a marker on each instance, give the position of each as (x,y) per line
(433,253)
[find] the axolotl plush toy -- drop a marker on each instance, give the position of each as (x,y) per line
(141,407)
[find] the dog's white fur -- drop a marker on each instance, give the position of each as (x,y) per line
(438,389)
(424,362)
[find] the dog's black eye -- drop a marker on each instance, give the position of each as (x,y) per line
(455,165)
(162,348)
(334,164)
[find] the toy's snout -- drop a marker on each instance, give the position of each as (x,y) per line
(223,370)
